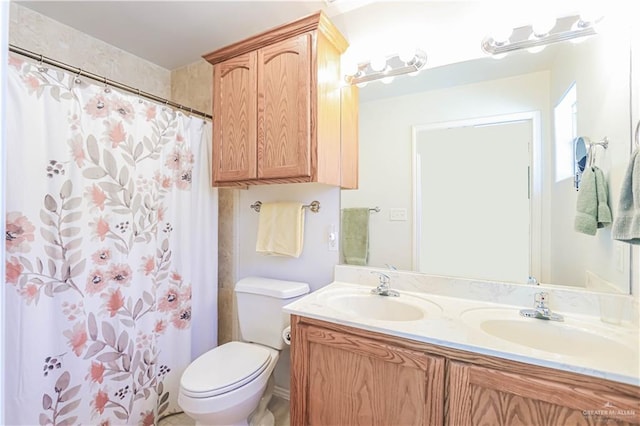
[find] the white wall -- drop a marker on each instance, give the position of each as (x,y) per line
(600,69)
(315,264)
(385,149)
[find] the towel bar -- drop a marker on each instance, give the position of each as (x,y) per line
(314,206)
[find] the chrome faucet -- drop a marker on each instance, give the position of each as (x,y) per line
(384,286)
(541,309)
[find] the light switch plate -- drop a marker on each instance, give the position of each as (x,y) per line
(398,214)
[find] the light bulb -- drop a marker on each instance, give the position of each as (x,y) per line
(349,67)
(499,55)
(501,34)
(407,54)
(542,25)
(378,63)
(387,80)
(363,84)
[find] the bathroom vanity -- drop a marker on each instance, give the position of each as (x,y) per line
(389,366)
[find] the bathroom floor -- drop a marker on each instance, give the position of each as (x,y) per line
(278,406)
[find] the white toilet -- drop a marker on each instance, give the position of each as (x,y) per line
(225,385)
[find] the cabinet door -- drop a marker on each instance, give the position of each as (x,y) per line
(284,76)
(234,118)
(343,379)
(484,396)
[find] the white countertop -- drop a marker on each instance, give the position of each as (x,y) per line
(455,323)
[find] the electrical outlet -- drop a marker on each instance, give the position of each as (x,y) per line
(332,238)
(397,214)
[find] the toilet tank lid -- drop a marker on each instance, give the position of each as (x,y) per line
(279,289)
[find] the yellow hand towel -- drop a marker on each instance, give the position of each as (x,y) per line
(281,229)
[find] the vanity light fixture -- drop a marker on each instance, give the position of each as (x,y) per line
(385,68)
(534,38)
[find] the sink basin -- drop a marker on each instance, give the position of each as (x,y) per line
(361,303)
(571,338)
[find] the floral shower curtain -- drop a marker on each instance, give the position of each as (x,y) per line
(111,230)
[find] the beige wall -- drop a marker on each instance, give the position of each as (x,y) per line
(192,86)
(42,35)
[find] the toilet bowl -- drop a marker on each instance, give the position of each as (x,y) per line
(226,385)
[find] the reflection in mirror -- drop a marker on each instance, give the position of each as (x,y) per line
(580,158)
(410,108)
(476,200)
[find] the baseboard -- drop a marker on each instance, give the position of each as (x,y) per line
(281,392)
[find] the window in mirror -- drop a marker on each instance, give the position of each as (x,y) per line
(565,125)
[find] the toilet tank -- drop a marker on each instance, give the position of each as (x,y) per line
(260,301)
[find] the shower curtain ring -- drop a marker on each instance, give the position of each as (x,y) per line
(139,98)
(41,66)
(77,79)
(106,88)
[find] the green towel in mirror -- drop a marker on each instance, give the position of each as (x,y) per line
(354,232)
(592,208)
(626,227)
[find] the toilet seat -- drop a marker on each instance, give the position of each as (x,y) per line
(224,369)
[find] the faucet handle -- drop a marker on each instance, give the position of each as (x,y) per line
(541,299)
(384,278)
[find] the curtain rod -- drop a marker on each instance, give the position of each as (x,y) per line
(101,79)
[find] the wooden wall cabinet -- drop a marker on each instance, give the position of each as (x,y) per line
(280,113)
(347,376)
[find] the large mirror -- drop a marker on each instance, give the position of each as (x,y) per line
(430,146)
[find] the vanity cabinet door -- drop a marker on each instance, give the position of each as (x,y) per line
(343,379)
(486,396)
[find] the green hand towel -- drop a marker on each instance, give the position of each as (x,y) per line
(355,235)
(604,212)
(626,226)
(592,208)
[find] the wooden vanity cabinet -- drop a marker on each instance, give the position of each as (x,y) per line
(347,376)
(280,114)
(341,378)
(487,396)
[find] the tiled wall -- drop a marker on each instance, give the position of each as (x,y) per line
(192,86)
